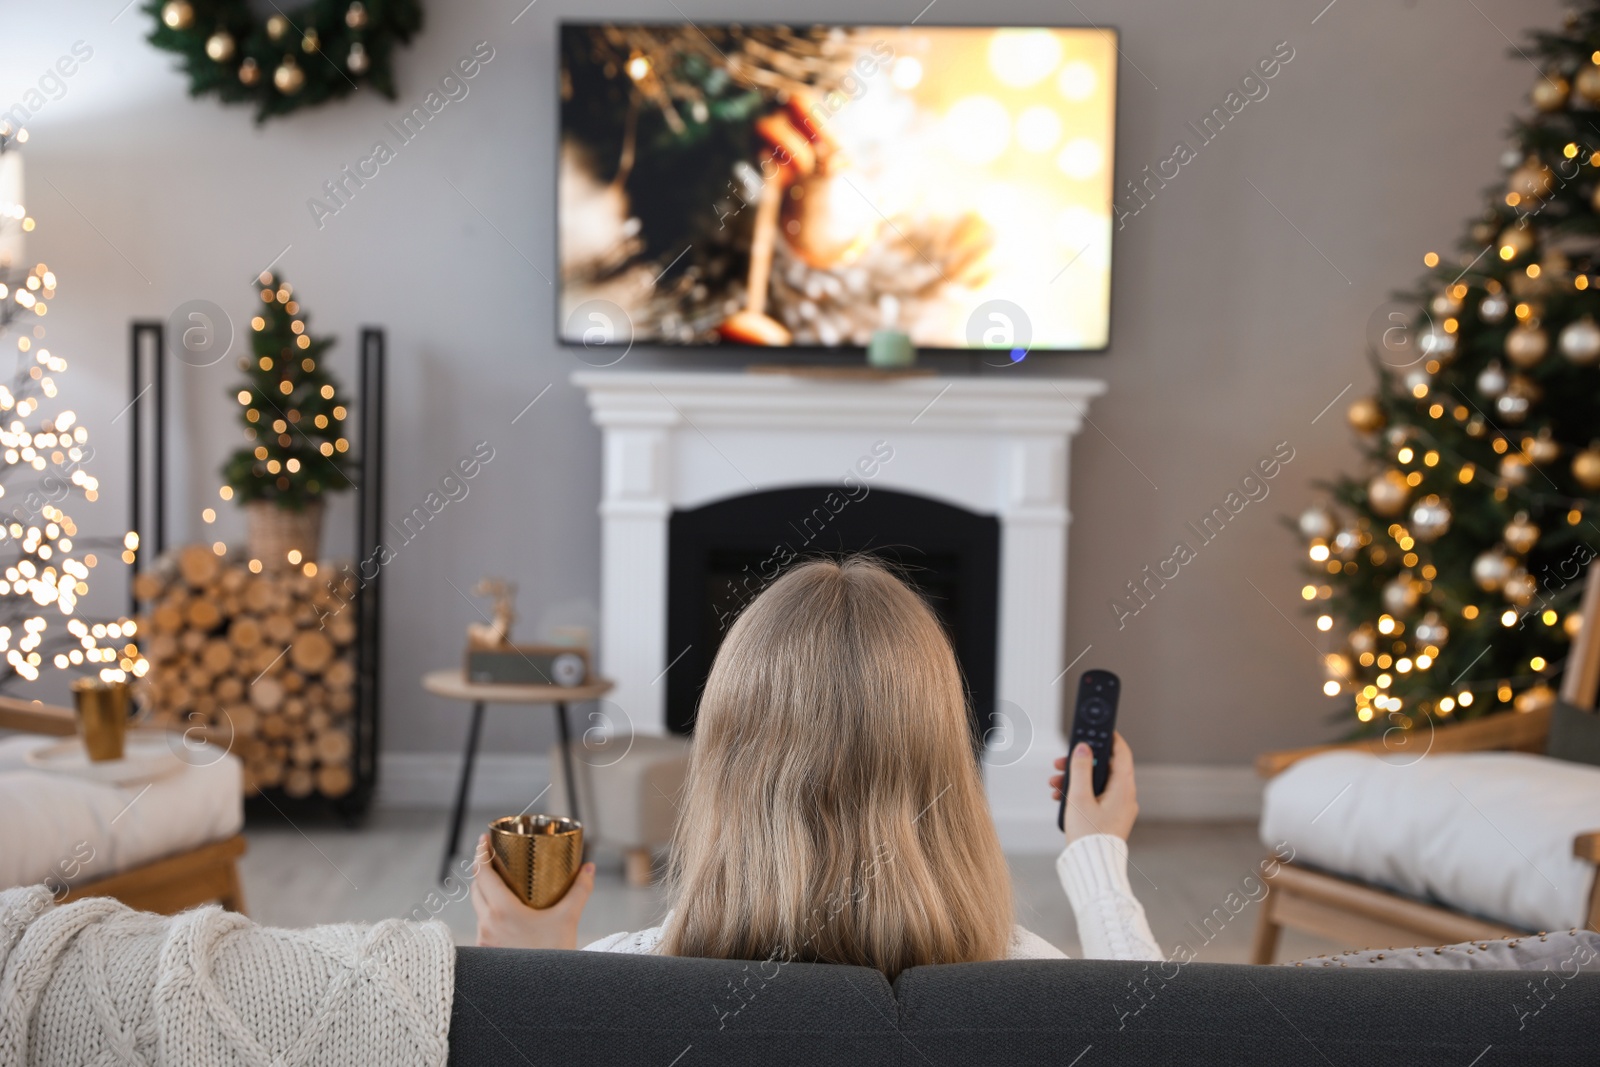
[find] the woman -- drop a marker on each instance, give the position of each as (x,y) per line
(833,809)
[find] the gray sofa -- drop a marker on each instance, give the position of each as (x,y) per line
(574,1008)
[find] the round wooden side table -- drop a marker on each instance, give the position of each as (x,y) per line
(453,685)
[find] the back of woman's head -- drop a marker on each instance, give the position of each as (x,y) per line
(833,809)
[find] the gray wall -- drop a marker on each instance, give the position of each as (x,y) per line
(1235,321)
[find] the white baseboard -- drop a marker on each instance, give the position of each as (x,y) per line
(1168,792)
(1199,792)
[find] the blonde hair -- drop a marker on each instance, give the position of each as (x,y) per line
(833,810)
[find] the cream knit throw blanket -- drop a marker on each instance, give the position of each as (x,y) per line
(96,983)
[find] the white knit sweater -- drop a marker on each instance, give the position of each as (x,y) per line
(93,982)
(1094,873)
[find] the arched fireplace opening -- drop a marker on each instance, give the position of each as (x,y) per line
(721,555)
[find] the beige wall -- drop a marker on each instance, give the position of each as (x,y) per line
(1236,320)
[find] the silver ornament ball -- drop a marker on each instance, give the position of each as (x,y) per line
(1432,630)
(1492,380)
(1430,518)
(1494,307)
(1316,523)
(1491,569)
(1400,595)
(1580,341)
(1346,543)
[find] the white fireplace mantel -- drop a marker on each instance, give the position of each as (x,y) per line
(993,445)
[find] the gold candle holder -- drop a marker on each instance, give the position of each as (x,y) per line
(102,716)
(538,856)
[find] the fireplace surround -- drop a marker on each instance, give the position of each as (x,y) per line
(992,448)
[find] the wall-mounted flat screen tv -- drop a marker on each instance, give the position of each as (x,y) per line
(809,185)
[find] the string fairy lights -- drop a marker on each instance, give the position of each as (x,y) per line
(46,563)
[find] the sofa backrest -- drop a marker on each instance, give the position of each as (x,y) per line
(515,1006)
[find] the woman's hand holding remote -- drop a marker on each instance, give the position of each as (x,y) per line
(506,922)
(1113,811)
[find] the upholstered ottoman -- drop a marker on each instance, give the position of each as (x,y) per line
(160,845)
(1490,834)
(628,792)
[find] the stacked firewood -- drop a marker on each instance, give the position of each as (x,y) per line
(262,659)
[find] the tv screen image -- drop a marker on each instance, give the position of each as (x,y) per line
(809,185)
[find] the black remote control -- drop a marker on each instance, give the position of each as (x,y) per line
(1093,722)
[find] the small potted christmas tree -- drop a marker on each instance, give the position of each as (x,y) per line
(294,415)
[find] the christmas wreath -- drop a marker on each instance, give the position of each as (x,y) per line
(319,52)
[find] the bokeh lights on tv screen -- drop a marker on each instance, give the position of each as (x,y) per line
(809,185)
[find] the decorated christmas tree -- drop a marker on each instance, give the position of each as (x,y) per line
(43,455)
(1448,570)
(294,415)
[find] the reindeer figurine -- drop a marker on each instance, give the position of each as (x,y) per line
(495,634)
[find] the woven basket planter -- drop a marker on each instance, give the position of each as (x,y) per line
(274,532)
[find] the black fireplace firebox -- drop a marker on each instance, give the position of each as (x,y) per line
(720,557)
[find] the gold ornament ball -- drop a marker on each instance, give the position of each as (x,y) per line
(822,226)
(1550,92)
(310,42)
(1586,467)
(1521,534)
(1538,698)
(1526,345)
(357,60)
(1514,469)
(1520,587)
(219,46)
(355,15)
(277,26)
(1580,341)
(177,14)
(1544,448)
(1532,180)
(1365,415)
(1387,493)
(1588,83)
(289,78)
(1518,238)
(249,72)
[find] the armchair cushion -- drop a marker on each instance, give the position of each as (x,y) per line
(60,829)
(1488,833)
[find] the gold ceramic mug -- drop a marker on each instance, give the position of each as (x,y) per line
(538,856)
(102,716)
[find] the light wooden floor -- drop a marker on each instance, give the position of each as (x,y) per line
(1183,872)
